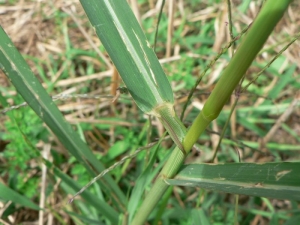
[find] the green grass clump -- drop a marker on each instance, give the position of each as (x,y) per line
(65,62)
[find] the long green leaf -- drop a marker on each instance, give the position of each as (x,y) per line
(126,44)
(273,180)
(9,194)
(19,73)
(133,56)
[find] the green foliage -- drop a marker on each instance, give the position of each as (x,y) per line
(119,194)
(23,131)
(182,72)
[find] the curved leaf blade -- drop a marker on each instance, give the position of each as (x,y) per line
(8,194)
(127,46)
(273,180)
(29,87)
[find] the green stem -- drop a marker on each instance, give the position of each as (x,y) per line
(159,188)
(262,27)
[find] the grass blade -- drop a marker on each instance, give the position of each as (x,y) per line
(8,194)
(273,180)
(126,44)
(19,73)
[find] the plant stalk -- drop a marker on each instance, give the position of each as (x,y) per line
(253,41)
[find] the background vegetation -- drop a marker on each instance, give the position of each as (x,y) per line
(59,44)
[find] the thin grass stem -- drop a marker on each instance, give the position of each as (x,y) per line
(223,50)
(158,21)
(296,37)
(115,165)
